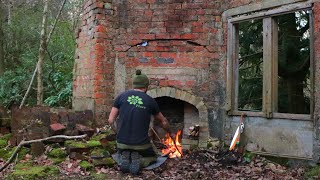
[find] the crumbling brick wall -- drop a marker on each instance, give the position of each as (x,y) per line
(179,44)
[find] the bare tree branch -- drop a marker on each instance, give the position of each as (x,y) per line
(23,142)
(47,42)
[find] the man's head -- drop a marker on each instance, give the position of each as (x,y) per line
(140,81)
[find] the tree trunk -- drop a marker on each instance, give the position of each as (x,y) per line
(42,51)
(1,41)
(296,100)
(293,67)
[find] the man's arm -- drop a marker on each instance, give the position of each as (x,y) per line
(163,120)
(113,115)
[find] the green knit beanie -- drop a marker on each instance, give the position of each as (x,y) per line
(140,80)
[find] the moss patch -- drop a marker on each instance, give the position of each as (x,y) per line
(57,153)
(97,137)
(100,176)
(6,137)
(111,146)
(29,172)
(3,143)
(104,162)
(93,143)
(57,160)
(97,152)
(4,140)
(75,144)
(248,156)
(313,172)
(6,153)
(85,165)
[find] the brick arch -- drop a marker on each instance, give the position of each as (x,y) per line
(195,101)
(184,96)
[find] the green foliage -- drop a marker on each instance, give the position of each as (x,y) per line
(248,156)
(22,39)
(13,86)
(315,171)
(250,65)
(293,63)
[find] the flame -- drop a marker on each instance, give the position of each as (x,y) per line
(171,149)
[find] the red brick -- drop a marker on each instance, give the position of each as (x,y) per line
(57,127)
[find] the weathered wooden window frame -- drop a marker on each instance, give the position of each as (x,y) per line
(270,63)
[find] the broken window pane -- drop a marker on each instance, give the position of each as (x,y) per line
(294,63)
(250,65)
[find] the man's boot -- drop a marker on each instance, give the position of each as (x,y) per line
(125,161)
(135,165)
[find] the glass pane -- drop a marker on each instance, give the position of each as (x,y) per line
(250,65)
(294,63)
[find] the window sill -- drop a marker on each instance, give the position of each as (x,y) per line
(302,117)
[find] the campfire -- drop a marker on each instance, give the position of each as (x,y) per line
(173,146)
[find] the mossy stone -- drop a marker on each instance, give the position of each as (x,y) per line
(111,146)
(28,172)
(98,152)
(3,143)
(104,162)
(75,144)
(100,176)
(93,143)
(57,153)
(57,160)
(85,165)
(97,137)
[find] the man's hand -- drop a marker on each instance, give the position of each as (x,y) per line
(164,121)
(113,115)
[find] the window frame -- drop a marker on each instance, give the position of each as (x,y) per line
(270,63)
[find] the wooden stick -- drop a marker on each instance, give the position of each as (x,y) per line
(23,142)
(155,133)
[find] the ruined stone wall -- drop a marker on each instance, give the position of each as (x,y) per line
(181,44)
(316,66)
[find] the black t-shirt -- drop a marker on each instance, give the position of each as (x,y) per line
(135,110)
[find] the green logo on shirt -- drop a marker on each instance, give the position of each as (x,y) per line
(136,101)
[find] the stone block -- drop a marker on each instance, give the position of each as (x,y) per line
(185,146)
(85,130)
(190,141)
(172,93)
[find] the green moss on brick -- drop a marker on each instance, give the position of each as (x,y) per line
(57,153)
(75,144)
(93,143)
(85,165)
(27,171)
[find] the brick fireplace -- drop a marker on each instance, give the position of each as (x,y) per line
(188,50)
(183,110)
(173,43)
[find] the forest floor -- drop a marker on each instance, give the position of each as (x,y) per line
(199,164)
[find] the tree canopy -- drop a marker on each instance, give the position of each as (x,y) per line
(19,51)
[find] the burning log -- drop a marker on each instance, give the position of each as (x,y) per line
(174,147)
